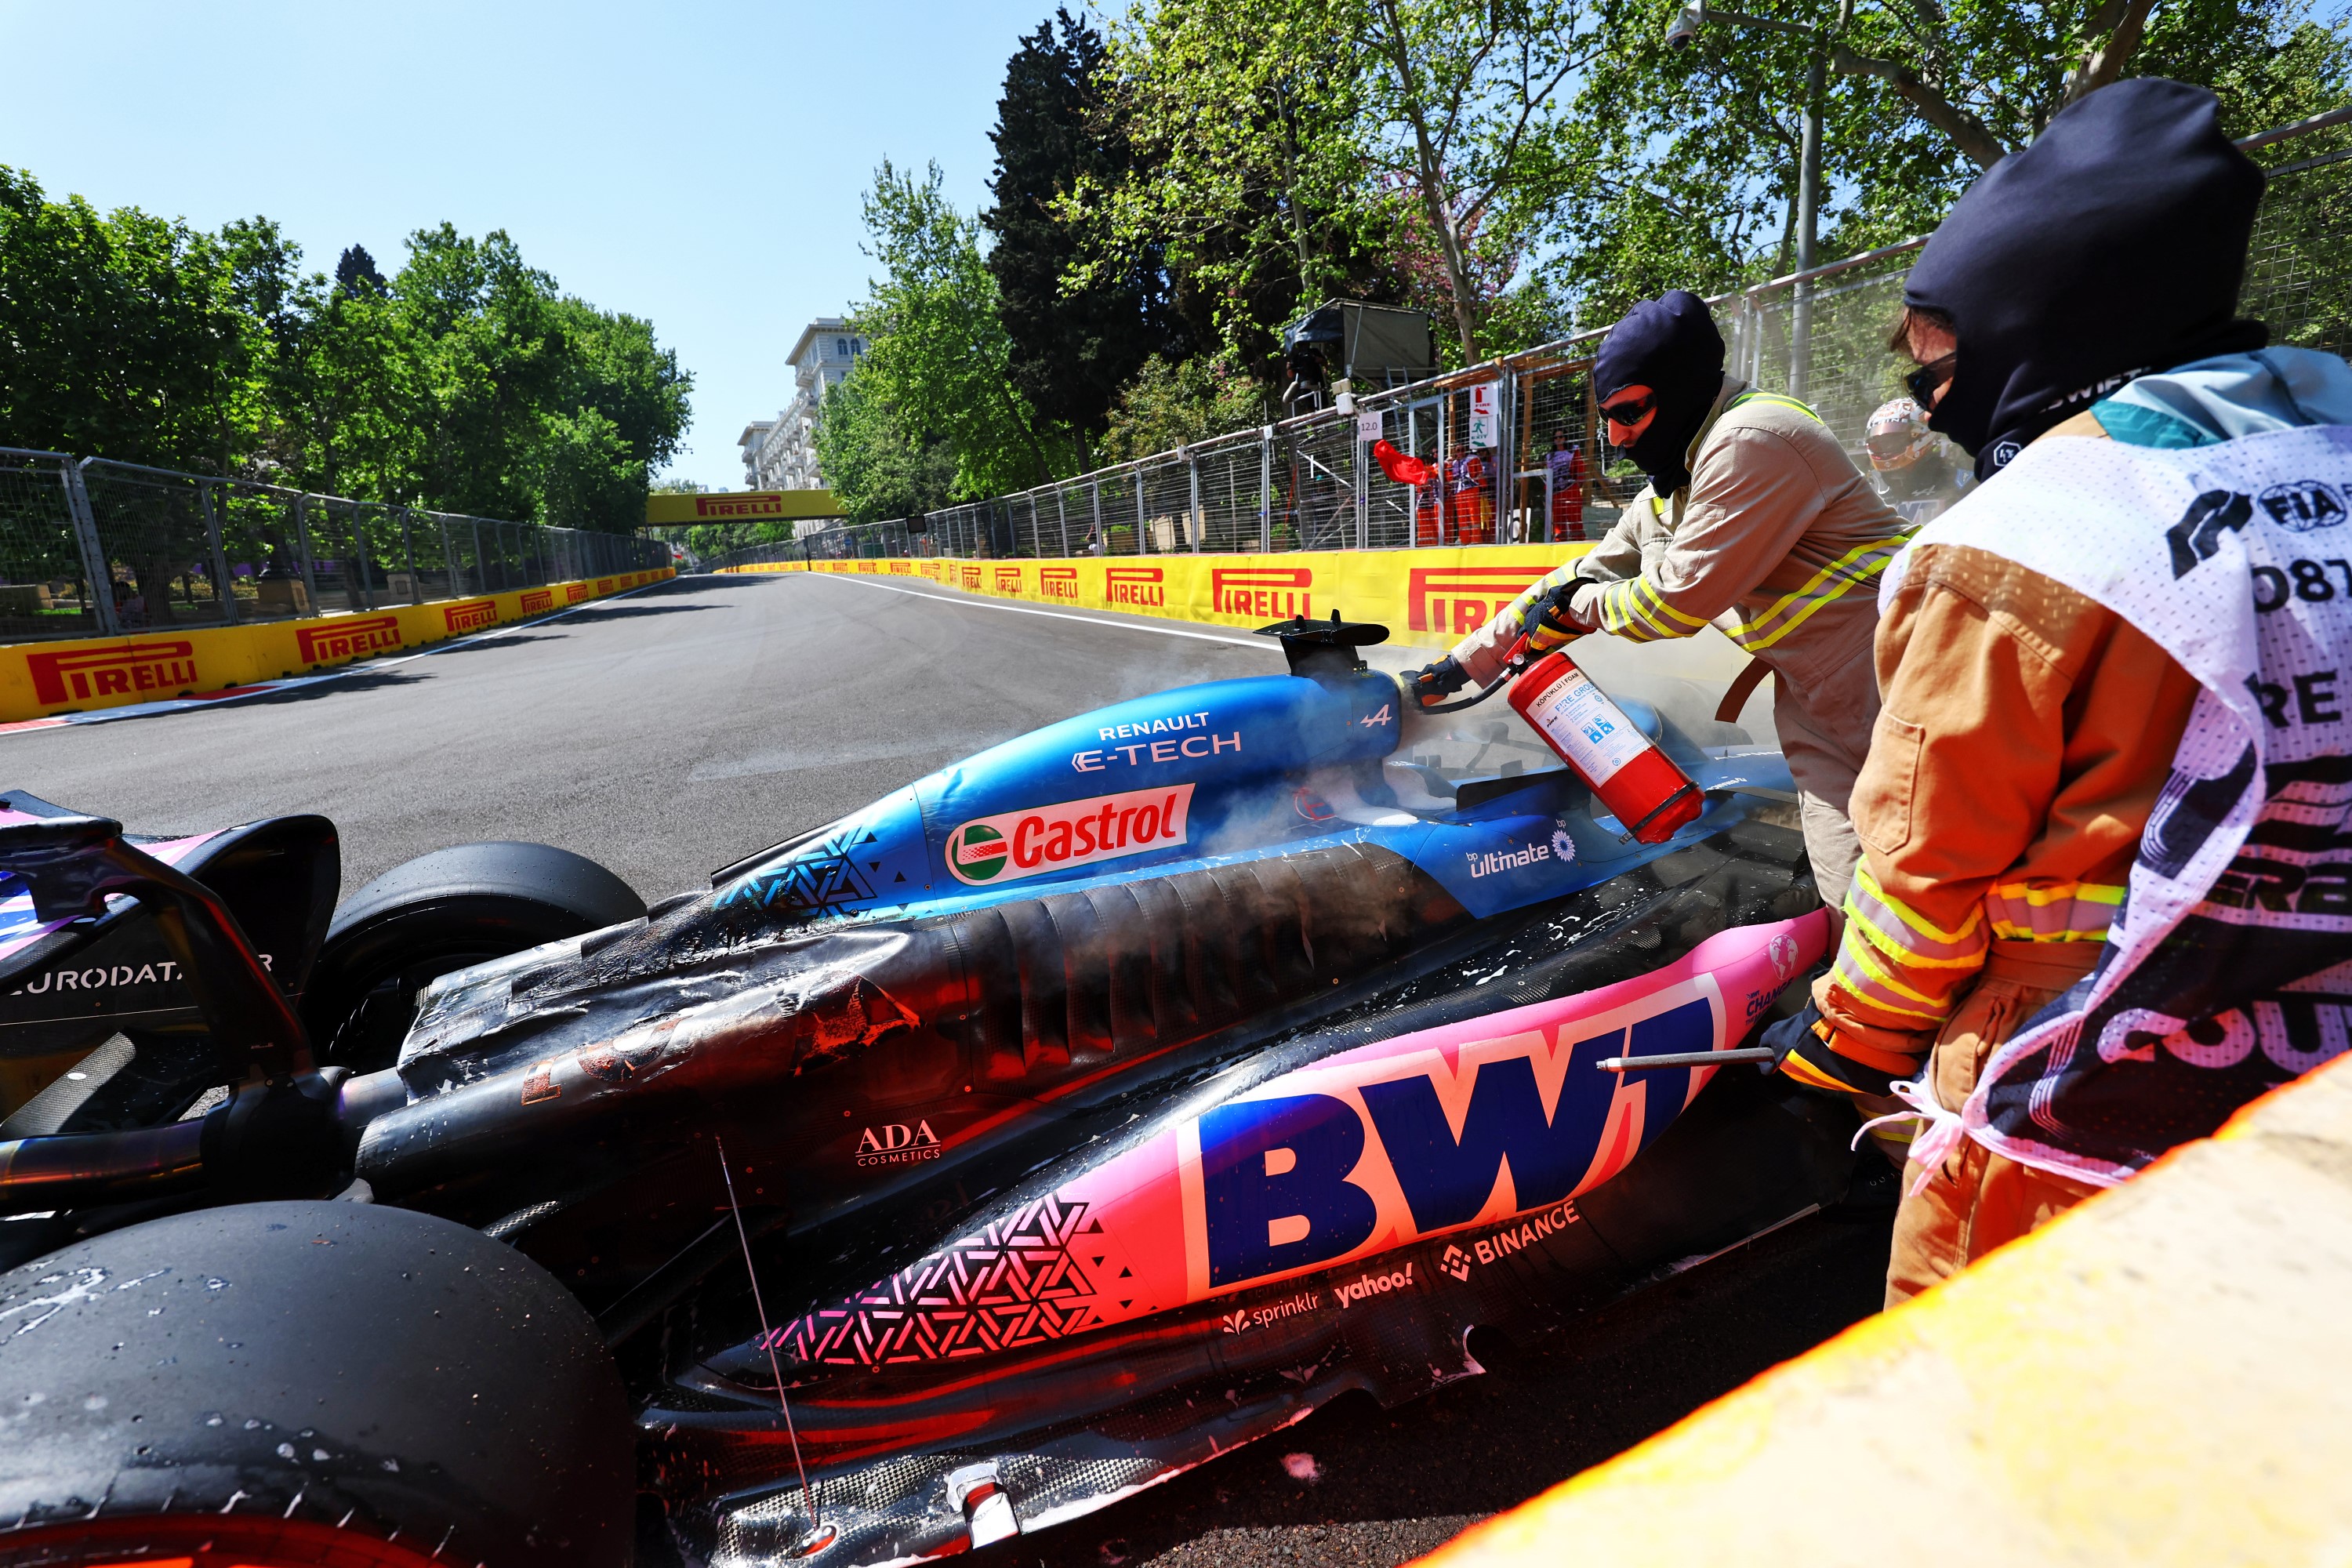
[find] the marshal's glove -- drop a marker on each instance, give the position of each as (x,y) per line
(1549,622)
(1803,1052)
(1438,681)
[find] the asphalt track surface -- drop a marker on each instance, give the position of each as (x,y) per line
(674,731)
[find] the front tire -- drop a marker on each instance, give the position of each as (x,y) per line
(302,1385)
(443,912)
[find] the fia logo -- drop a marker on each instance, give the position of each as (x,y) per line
(1455,1261)
(2302,506)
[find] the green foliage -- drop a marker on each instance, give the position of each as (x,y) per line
(875,467)
(1171,404)
(466,383)
(1071,349)
(1248,178)
(938,357)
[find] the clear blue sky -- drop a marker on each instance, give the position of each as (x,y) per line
(699,165)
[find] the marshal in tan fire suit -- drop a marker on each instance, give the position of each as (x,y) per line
(1778,541)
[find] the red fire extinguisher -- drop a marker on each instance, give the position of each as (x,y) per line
(1638,782)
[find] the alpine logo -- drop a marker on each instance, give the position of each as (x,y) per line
(1015,845)
(898,1144)
(1458,600)
(117,669)
(1138,586)
(1264,593)
(471,614)
(352,638)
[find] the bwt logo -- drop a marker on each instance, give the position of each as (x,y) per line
(1008,579)
(470,615)
(1267,593)
(1295,1180)
(575,592)
(118,669)
(538,600)
(1134,586)
(1458,600)
(346,639)
(1058,583)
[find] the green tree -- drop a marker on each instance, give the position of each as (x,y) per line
(939,356)
(1172,403)
(1249,175)
(122,335)
(1073,349)
(877,467)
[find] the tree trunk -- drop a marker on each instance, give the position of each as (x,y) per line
(1431,167)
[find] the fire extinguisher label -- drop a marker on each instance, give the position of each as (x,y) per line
(1591,730)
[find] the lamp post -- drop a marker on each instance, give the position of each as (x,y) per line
(1681,34)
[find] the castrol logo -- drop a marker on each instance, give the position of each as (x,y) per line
(1047,838)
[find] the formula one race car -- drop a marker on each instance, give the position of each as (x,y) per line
(1051,1125)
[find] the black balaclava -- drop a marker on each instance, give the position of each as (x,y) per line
(1670,345)
(2112,246)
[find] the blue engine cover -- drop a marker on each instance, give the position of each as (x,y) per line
(1204,773)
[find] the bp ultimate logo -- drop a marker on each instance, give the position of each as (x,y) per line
(1015,845)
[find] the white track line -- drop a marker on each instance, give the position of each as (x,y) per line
(1027,610)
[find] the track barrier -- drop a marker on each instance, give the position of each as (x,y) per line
(47,680)
(1428,599)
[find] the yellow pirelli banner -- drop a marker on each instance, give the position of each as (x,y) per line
(40,680)
(1430,598)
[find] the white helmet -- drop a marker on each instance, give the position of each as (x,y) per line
(1896,435)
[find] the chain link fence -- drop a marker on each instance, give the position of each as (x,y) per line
(94,548)
(1310,483)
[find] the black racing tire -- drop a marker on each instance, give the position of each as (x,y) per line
(439,912)
(302,1385)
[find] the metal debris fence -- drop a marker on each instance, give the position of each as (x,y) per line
(1310,483)
(90,547)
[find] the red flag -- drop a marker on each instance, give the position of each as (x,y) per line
(1404,470)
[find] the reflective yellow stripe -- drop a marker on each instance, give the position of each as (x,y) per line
(1866,961)
(1750,633)
(1863,879)
(2054,912)
(1622,611)
(1757,394)
(1657,601)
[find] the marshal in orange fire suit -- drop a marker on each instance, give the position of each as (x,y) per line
(2025,734)
(1778,541)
